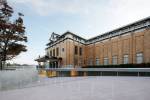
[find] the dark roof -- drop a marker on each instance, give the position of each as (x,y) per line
(45,58)
(63,35)
(68,32)
(42,59)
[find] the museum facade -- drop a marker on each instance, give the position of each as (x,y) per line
(129,44)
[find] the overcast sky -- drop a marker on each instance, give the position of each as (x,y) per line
(86,18)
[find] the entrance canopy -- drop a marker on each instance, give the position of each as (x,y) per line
(47,58)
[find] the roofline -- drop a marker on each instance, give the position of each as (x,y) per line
(68,32)
(106,33)
(127,25)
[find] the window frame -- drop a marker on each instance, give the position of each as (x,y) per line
(57,51)
(97,62)
(80,51)
(138,56)
(63,49)
(114,60)
(106,59)
(75,50)
(126,59)
(54,52)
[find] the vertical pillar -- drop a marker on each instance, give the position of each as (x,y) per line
(85,73)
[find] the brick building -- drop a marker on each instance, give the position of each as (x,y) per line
(124,45)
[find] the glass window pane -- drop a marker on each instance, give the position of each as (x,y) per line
(91,62)
(76,50)
(114,60)
(80,51)
(139,58)
(57,51)
(106,62)
(125,59)
(97,61)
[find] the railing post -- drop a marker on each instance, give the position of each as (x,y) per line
(101,73)
(117,73)
(138,74)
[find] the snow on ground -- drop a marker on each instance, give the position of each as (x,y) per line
(83,88)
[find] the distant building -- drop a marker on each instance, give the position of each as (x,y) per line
(127,44)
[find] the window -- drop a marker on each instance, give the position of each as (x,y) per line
(54,52)
(91,62)
(139,58)
(125,59)
(80,51)
(76,50)
(114,60)
(57,51)
(48,54)
(76,61)
(51,53)
(106,61)
(97,61)
(63,49)
(80,62)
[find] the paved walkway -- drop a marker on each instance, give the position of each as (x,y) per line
(83,88)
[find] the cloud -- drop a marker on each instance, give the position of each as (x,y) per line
(46,7)
(116,13)
(94,14)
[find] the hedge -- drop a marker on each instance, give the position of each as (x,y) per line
(143,65)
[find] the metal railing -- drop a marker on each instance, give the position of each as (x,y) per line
(100,71)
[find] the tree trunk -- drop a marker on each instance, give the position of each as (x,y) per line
(4,60)
(1,65)
(4,55)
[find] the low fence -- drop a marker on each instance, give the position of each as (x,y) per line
(60,72)
(12,79)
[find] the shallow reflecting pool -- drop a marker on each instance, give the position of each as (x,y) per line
(83,88)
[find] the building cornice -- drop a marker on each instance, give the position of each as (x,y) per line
(64,40)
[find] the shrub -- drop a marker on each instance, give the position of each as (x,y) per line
(143,65)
